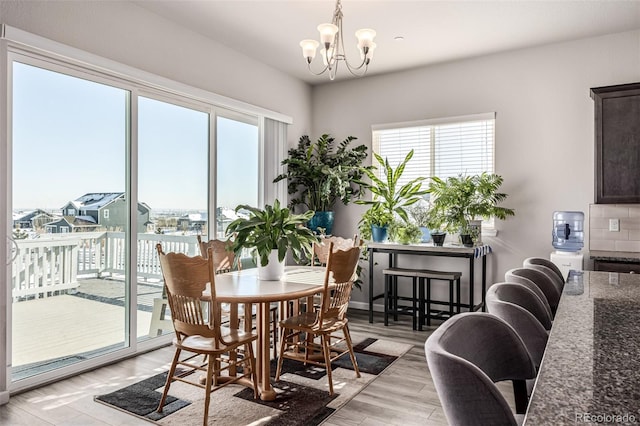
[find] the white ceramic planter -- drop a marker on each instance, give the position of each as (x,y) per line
(274,269)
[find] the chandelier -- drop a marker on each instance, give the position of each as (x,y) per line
(333,47)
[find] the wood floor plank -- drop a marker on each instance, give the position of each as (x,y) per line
(403,395)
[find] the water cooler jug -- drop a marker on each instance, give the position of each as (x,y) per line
(568,240)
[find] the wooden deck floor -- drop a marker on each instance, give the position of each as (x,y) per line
(66,325)
(403,395)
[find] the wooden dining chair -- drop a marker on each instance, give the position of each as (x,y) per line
(328,323)
(321,248)
(224,260)
(200,332)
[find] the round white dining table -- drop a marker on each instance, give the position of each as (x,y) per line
(244,287)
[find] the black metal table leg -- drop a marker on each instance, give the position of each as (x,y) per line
(484,283)
(371,286)
(471,285)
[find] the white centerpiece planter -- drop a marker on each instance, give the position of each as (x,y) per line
(274,270)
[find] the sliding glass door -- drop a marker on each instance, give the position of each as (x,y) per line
(102,171)
(173,170)
(68,276)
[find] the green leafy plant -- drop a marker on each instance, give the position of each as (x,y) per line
(419,214)
(404,232)
(320,175)
(460,199)
(272,228)
(375,215)
(387,193)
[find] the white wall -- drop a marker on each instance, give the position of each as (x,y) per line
(544,126)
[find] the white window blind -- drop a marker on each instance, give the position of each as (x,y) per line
(442,148)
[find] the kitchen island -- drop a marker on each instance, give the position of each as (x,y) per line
(590,372)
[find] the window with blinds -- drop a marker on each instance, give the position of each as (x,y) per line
(445,147)
(442,147)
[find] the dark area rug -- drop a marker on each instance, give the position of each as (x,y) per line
(142,399)
(301,405)
(302,397)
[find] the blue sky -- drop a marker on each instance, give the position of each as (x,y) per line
(70,138)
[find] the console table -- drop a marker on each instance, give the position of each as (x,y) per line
(428,249)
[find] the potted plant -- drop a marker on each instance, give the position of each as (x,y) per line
(388,195)
(404,232)
(419,215)
(374,223)
(319,175)
(270,233)
(459,200)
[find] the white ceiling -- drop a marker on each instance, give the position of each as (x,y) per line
(433,31)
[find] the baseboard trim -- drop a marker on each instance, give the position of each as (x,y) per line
(4,397)
(365,306)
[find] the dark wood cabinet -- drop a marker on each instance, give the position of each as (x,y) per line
(617,141)
(624,267)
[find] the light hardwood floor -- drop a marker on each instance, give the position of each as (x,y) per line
(403,395)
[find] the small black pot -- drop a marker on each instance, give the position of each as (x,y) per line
(438,238)
(467,240)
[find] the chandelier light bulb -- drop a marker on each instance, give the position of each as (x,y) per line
(309,48)
(365,37)
(327,33)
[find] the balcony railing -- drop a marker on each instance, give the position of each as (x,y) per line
(51,265)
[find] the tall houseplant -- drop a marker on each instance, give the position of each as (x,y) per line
(459,200)
(388,195)
(270,233)
(318,175)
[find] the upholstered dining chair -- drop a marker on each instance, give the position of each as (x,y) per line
(532,301)
(224,260)
(328,322)
(466,356)
(544,262)
(543,266)
(521,309)
(526,276)
(200,332)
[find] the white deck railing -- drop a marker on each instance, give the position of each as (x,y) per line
(52,264)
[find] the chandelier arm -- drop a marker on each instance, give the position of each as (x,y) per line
(318,73)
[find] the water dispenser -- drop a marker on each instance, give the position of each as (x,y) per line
(568,231)
(568,240)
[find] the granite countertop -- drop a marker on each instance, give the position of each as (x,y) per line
(591,366)
(615,256)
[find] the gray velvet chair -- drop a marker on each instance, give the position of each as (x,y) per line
(523,310)
(543,265)
(540,279)
(544,262)
(467,355)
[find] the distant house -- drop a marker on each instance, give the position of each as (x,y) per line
(99,211)
(193,222)
(33,219)
(69,224)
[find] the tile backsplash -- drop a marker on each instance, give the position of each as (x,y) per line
(626,239)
